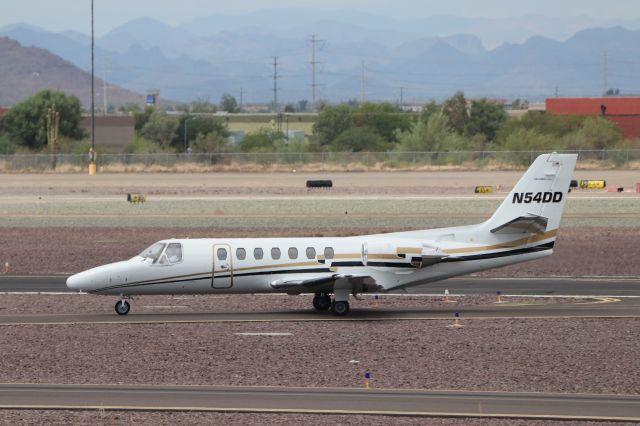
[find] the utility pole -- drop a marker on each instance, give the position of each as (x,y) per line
(606,84)
(93,93)
(401,98)
(362,84)
(241,94)
(313,63)
(275,84)
(53,125)
(105,70)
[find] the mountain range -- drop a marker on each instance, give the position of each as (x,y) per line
(26,70)
(423,58)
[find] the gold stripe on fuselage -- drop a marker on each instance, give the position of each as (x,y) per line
(508,244)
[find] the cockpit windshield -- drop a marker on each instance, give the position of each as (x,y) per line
(153,252)
(163,253)
(173,254)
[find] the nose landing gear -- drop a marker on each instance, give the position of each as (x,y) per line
(122,307)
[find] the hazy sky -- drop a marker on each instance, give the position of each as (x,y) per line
(74,14)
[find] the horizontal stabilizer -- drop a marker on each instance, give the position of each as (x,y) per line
(431,256)
(529,224)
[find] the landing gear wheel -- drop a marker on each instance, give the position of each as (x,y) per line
(122,307)
(340,308)
(322,302)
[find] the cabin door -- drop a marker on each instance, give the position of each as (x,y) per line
(222,266)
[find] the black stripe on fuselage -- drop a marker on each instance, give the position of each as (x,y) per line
(541,247)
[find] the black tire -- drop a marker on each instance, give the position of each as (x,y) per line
(322,302)
(122,307)
(340,308)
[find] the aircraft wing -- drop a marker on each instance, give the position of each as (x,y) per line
(359,283)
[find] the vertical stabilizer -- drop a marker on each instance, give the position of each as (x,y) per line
(536,203)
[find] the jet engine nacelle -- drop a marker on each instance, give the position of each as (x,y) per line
(411,253)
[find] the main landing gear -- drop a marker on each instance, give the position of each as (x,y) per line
(122,307)
(323,302)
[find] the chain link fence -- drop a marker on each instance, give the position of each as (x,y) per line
(316,160)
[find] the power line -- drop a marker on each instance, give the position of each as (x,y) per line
(604,89)
(362,97)
(313,62)
(275,83)
(105,71)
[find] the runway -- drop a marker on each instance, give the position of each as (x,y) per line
(596,302)
(322,400)
(596,286)
(581,308)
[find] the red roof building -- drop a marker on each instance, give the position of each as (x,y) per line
(3,111)
(623,111)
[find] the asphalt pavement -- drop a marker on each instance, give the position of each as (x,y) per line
(592,286)
(322,400)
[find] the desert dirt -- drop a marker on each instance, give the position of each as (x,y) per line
(65,417)
(359,183)
(513,355)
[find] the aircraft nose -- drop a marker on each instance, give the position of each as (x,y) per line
(78,282)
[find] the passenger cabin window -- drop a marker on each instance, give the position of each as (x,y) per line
(275,253)
(258,254)
(293,253)
(328,252)
(222,253)
(241,254)
(172,254)
(311,253)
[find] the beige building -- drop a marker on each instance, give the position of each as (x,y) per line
(113,132)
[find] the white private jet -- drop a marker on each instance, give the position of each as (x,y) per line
(523,228)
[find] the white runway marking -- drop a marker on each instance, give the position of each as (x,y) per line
(262,334)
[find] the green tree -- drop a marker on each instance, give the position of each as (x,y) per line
(331,122)
(529,140)
(264,140)
(161,128)
(210,142)
(7,146)
(485,118)
(384,118)
(141,145)
(434,135)
(428,109)
(455,108)
(202,105)
(357,139)
(140,118)
(228,103)
(594,133)
(196,125)
(26,122)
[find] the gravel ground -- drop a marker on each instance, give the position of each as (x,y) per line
(24,304)
(579,252)
(264,183)
(64,417)
(572,355)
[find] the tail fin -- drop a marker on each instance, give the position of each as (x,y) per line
(535,204)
